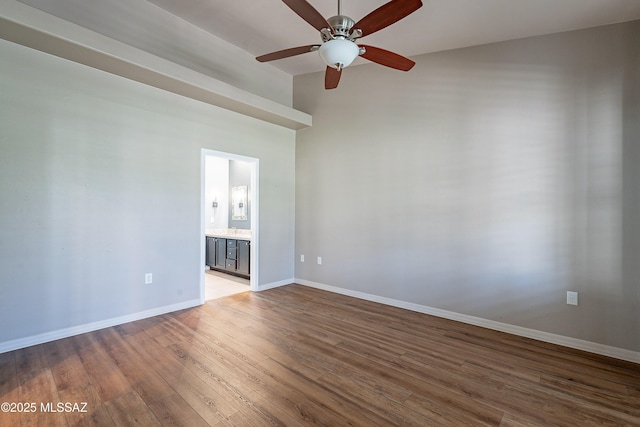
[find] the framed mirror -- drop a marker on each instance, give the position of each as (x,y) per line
(239,203)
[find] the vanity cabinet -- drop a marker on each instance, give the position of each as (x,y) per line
(242,258)
(229,255)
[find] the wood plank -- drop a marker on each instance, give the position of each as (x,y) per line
(96,412)
(153,354)
(129,409)
(66,366)
(143,378)
(9,388)
(37,387)
(231,391)
(109,381)
(382,397)
(301,356)
(262,394)
(532,400)
(597,400)
(578,372)
(443,400)
(241,377)
(174,411)
(337,409)
(212,407)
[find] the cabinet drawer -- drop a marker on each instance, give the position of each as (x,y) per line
(231,243)
(231,253)
(231,264)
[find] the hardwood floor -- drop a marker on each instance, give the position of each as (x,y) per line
(298,356)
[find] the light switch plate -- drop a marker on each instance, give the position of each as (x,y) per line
(572,298)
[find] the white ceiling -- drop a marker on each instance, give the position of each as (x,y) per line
(264,26)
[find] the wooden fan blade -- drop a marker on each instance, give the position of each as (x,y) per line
(308,13)
(287,53)
(332,78)
(387,58)
(386,15)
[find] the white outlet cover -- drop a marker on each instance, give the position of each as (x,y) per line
(301,258)
(148,278)
(319,260)
(572,298)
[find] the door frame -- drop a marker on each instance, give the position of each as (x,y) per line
(253,194)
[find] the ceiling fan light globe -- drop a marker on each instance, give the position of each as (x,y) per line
(339,53)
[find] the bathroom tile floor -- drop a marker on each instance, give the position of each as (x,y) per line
(217,285)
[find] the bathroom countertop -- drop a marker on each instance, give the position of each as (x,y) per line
(229,233)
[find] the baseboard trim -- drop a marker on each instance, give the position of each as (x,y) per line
(277,284)
(90,327)
(601,349)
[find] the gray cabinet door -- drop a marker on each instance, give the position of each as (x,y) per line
(243,256)
(221,253)
(211,252)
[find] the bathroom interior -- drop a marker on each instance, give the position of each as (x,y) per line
(227,226)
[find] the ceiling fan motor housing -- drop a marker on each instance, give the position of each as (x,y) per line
(341,25)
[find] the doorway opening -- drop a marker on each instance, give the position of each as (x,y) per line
(229,224)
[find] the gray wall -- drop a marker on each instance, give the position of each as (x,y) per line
(487,181)
(100,184)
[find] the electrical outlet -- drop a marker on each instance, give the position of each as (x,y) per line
(301,258)
(319,260)
(572,298)
(148,279)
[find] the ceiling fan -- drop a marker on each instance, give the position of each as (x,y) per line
(338,33)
